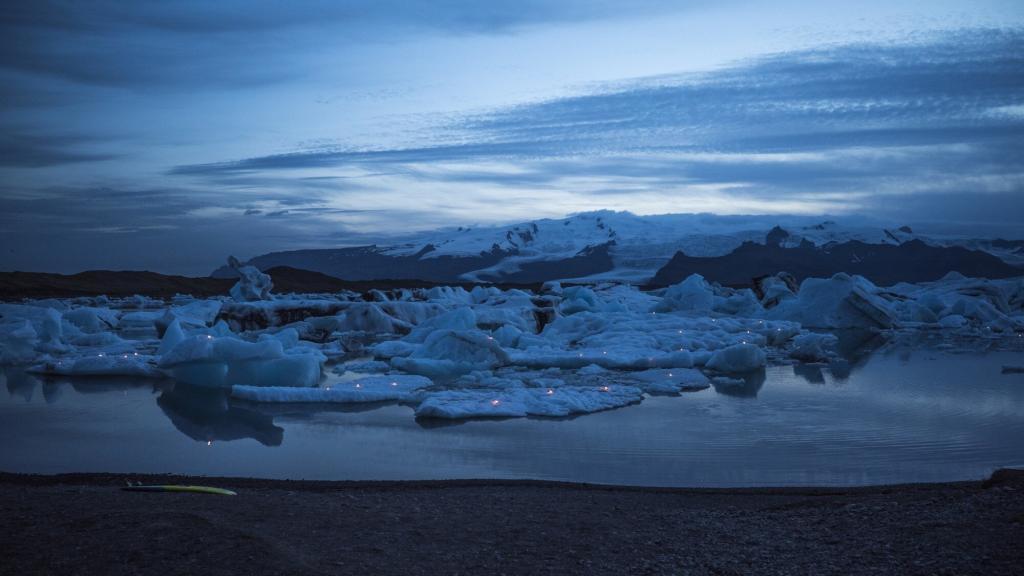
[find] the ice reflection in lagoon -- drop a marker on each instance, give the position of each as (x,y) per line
(902,414)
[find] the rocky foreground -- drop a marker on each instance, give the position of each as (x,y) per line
(84,524)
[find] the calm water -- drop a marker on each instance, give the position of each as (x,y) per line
(896,416)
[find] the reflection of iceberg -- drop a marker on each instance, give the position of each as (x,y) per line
(306,411)
(741,386)
(810,372)
(204,414)
(52,391)
(854,347)
(20,383)
(102,385)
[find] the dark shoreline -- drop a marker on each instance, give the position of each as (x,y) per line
(16,286)
(84,524)
(117,479)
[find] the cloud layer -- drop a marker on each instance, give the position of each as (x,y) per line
(167,135)
(843,126)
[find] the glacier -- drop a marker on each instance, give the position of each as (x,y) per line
(447,352)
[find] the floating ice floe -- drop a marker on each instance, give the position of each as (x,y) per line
(102,364)
(737,358)
(813,347)
(668,381)
(450,353)
(564,401)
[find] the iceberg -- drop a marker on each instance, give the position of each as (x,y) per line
(737,358)
(450,353)
(206,360)
(842,301)
(252,284)
(553,402)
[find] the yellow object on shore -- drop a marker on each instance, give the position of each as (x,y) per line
(180,488)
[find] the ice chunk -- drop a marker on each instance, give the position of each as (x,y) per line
(551,287)
(368,389)
(740,302)
(668,381)
(693,294)
(508,336)
(953,321)
(221,361)
(393,348)
(775,289)
(173,335)
(51,331)
(737,358)
(813,347)
(18,343)
(842,301)
(196,313)
(102,364)
(92,320)
(252,284)
(301,370)
(412,313)
(578,299)
(369,317)
(449,353)
(462,318)
(456,404)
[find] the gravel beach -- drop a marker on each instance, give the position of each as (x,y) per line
(85,524)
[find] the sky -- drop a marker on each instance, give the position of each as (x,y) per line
(167,135)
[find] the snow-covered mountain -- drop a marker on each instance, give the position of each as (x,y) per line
(601,245)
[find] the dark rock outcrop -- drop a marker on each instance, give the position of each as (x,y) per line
(883,264)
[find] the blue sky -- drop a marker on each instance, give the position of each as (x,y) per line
(167,135)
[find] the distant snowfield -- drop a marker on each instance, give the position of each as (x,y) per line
(638,246)
(489,352)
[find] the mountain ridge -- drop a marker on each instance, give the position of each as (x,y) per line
(614,246)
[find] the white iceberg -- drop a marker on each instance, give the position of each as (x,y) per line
(564,401)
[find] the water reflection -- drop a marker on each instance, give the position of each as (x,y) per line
(900,414)
(206,415)
(812,373)
(744,386)
(20,383)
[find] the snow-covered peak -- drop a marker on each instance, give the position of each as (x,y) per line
(545,236)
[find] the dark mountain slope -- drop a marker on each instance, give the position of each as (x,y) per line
(369,263)
(18,285)
(883,264)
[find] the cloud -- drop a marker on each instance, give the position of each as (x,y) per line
(185,230)
(929,127)
(196,44)
(881,119)
(21,150)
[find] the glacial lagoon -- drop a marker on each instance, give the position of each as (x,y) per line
(895,414)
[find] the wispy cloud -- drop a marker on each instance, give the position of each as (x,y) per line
(21,150)
(855,120)
(195,44)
